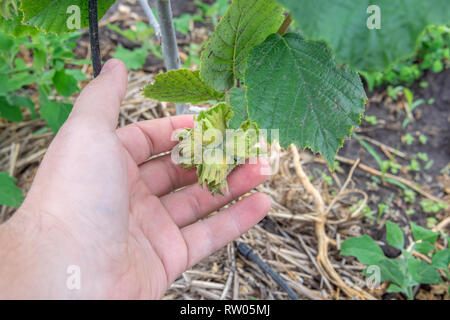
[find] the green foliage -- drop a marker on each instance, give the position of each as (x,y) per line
(52,15)
(239,105)
(294,84)
(139,33)
(133,59)
(55,113)
(246,24)
(182,23)
(47,72)
(193,52)
(343,25)
(9,111)
(181,86)
(432,53)
(430,206)
(65,83)
(8,8)
(10,194)
(215,10)
(394,235)
(371,120)
(410,196)
(321,100)
(408,139)
(12,24)
(423,139)
(404,272)
(364,248)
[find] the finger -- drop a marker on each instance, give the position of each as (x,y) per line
(207,236)
(162,175)
(158,228)
(147,138)
(99,102)
(194,202)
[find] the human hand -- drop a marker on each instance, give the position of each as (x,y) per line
(97,203)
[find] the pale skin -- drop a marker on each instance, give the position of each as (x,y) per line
(98,203)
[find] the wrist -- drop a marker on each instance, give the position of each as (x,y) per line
(17,256)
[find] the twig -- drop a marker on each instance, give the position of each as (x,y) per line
(235,273)
(323,239)
(151,18)
(441,225)
(169,41)
(93,36)
(231,274)
(325,280)
(285,26)
(375,172)
(227,286)
(304,290)
(382,145)
(347,181)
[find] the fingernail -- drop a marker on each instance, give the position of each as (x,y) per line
(109,65)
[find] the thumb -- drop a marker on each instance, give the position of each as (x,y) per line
(99,102)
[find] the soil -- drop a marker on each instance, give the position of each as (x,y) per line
(431,120)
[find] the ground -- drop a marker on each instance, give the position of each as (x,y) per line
(287,239)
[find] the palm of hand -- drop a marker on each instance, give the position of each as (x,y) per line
(114,214)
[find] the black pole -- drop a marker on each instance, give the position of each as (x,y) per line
(93,36)
(250,255)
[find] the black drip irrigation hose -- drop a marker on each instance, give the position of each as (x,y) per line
(93,37)
(250,255)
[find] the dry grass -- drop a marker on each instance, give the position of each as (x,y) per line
(299,239)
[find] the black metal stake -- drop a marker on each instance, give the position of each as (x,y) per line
(93,36)
(250,255)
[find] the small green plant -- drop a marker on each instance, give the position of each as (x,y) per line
(394,91)
(408,139)
(423,139)
(183,22)
(414,165)
(214,11)
(140,34)
(411,105)
(371,120)
(430,206)
(432,53)
(431,222)
(53,69)
(366,210)
(328,179)
(193,59)
(405,272)
(409,196)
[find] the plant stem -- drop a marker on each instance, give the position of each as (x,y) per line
(151,18)
(169,41)
(93,36)
(285,26)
